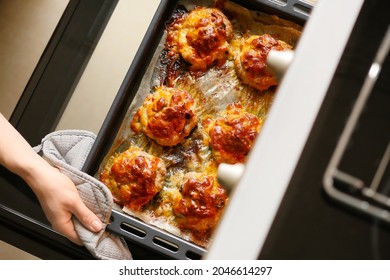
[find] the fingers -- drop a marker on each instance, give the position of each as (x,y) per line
(87,217)
(61,202)
(61,217)
(67,229)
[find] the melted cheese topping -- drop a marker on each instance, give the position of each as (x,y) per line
(201,204)
(134,177)
(250,61)
(233,134)
(202,38)
(167,116)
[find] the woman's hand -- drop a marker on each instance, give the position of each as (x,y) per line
(60,200)
(56,193)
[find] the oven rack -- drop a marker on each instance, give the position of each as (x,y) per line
(372,198)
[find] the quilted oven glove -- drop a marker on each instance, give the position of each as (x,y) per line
(67,150)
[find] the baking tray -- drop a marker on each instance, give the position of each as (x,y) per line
(129,227)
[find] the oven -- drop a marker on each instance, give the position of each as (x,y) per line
(297,196)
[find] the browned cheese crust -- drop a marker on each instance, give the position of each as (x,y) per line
(233,134)
(167,116)
(134,177)
(251,64)
(200,204)
(201,38)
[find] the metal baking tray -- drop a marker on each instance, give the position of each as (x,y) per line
(129,227)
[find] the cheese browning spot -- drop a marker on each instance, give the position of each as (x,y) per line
(167,116)
(202,39)
(134,178)
(201,204)
(251,64)
(233,134)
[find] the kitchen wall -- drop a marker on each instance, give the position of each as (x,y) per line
(108,65)
(25,29)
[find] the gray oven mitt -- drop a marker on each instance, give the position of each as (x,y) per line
(67,150)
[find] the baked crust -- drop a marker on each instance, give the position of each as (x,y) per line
(199,205)
(167,116)
(232,134)
(250,63)
(134,177)
(202,38)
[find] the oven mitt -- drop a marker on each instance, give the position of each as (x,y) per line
(67,150)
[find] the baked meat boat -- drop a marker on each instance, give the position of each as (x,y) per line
(201,37)
(232,134)
(167,116)
(134,177)
(250,62)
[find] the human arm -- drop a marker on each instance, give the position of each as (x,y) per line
(56,193)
